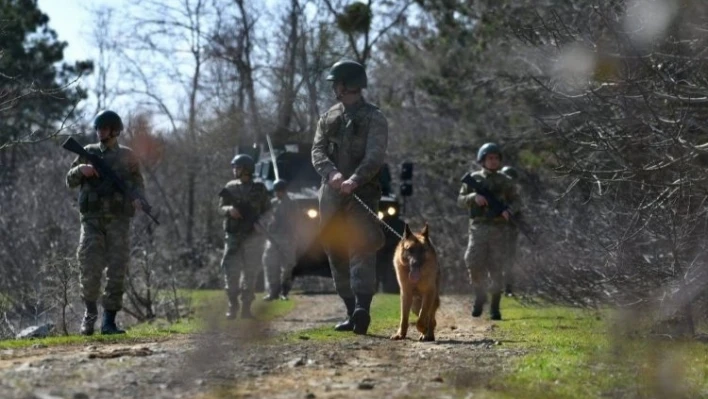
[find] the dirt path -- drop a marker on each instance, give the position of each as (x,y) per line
(199,366)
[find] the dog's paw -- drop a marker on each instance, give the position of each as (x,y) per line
(426,338)
(398,336)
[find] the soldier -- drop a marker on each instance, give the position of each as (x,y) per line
(243,242)
(348,152)
(105,222)
(279,256)
(512,241)
(485,255)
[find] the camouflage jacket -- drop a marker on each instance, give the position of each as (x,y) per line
(252,194)
(282,216)
(351,141)
(500,185)
(99,197)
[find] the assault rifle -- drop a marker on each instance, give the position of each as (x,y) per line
(249,216)
(495,206)
(105,172)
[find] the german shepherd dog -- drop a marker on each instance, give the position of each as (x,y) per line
(418,273)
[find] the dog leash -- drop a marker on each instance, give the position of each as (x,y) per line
(372,213)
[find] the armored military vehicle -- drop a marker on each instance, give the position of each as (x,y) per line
(295,166)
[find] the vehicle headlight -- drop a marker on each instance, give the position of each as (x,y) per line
(391,211)
(380,215)
(312,213)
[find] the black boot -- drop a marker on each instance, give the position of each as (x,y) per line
(347,325)
(284,291)
(508,291)
(108,327)
(246,311)
(270,297)
(90,317)
(479,301)
(361,317)
(494,313)
(233,305)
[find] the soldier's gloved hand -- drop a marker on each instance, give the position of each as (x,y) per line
(335,180)
(88,170)
(348,186)
(506,215)
(480,200)
(138,205)
(234,213)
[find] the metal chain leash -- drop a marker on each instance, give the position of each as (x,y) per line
(372,213)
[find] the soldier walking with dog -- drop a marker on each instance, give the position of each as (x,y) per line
(242,202)
(105,221)
(279,257)
(348,151)
(486,253)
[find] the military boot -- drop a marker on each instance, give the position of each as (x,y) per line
(479,301)
(494,313)
(90,317)
(361,317)
(246,311)
(233,305)
(108,326)
(347,325)
(508,291)
(271,297)
(284,291)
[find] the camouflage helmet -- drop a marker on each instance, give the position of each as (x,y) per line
(351,73)
(511,172)
(486,149)
(108,119)
(280,185)
(244,161)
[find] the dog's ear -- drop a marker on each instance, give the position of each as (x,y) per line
(424,232)
(407,233)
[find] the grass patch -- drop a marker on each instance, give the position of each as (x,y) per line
(385,313)
(204,303)
(573,355)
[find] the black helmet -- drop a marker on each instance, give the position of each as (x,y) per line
(108,119)
(511,172)
(280,185)
(351,73)
(488,148)
(245,161)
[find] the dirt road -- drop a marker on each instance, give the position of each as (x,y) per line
(228,364)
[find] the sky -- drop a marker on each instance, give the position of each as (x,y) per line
(72,21)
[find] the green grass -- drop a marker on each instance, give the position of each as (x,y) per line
(206,305)
(571,354)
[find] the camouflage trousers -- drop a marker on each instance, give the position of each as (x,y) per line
(104,244)
(278,262)
(240,265)
(351,238)
(486,256)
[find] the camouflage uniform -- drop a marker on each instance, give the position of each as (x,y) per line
(105,223)
(279,258)
(351,140)
(243,244)
(486,253)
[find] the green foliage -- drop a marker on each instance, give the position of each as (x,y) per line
(34,90)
